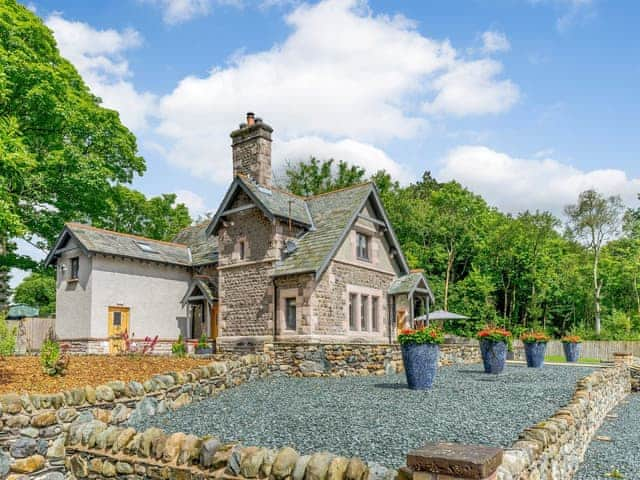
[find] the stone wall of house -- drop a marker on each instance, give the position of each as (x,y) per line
(554,448)
(34,429)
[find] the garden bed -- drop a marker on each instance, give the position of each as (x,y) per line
(24,374)
(378,418)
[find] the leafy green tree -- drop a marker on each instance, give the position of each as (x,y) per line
(38,290)
(7,338)
(130,211)
(315,176)
(594,220)
(61,151)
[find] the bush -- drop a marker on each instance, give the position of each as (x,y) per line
(7,337)
(53,358)
(203,342)
(179,349)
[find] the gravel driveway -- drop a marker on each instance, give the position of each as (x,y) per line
(378,418)
(622,453)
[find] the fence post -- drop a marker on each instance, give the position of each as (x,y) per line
(452,461)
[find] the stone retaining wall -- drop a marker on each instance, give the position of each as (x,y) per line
(339,360)
(554,448)
(34,428)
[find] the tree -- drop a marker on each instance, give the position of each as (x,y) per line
(314,177)
(594,220)
(38,290)
(61,151)
(131,212)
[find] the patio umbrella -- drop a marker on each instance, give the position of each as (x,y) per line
(441,315)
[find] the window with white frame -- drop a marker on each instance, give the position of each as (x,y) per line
(364,310)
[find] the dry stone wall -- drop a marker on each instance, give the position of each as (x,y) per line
(554,448)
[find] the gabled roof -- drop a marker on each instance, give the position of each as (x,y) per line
(205,285)
(272,201)
(334,214)
(204,248)
(409,283)
(107,242)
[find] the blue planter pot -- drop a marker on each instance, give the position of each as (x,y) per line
(420,364)
(494,354)
(571,351)
(535,354)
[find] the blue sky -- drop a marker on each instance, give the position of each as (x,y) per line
(525,102)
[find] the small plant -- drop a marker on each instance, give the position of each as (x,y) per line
(178,348)
(421,336)
(534,337)
(495,334)
(54,358)
(615,473)
(133,349)
(202,342)
(571,339)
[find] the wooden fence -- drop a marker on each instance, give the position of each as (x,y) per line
(602,350)
(32,332)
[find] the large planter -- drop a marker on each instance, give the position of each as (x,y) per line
(420,364)
(534,352)
(494,355)
(571,351)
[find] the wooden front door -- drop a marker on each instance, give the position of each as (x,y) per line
(118,323)
(214,320)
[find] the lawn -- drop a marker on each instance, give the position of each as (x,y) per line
(24,374)
(561,359)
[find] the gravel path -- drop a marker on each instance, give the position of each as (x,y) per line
(378,418)
(623,453)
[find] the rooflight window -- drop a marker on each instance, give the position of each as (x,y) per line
(264,190)
(145,247)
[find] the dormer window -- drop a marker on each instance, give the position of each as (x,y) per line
(362,246)
(146,247)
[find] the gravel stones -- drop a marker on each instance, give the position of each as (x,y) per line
(621,454)
(377,418)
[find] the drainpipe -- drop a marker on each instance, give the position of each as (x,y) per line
(275,310)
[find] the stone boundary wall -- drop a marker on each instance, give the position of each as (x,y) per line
(554,448)
(348,359)
(35,428)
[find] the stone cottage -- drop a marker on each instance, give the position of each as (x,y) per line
(269,266)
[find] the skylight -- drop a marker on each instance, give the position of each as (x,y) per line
(145,247)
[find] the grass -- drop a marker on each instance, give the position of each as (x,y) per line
(24,374)
(561,359)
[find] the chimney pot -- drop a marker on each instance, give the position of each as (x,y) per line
(251,118)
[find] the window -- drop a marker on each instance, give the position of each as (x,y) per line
(145,247)
(117,319)
(75,268)
(374,314)
(362,246)
(364,312)
(290,313)
(241,249)
(352,311)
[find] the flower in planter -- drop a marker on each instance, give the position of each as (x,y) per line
(571,339)
(420,336)
(495,334)
(534,337)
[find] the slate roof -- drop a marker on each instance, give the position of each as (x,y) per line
(332,214)
(277,202)
(98,240)
(204,249)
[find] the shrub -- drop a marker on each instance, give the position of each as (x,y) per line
(179,349)
(203,342)
(7,337)
(421,336)
(53,358)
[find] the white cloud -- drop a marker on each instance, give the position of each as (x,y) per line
(493,41)
(370,158)
(194,202)
(98,57)
(571,12)
(342,74)
(178,11)
(515,184)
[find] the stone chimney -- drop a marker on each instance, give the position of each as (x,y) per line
(251,145)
